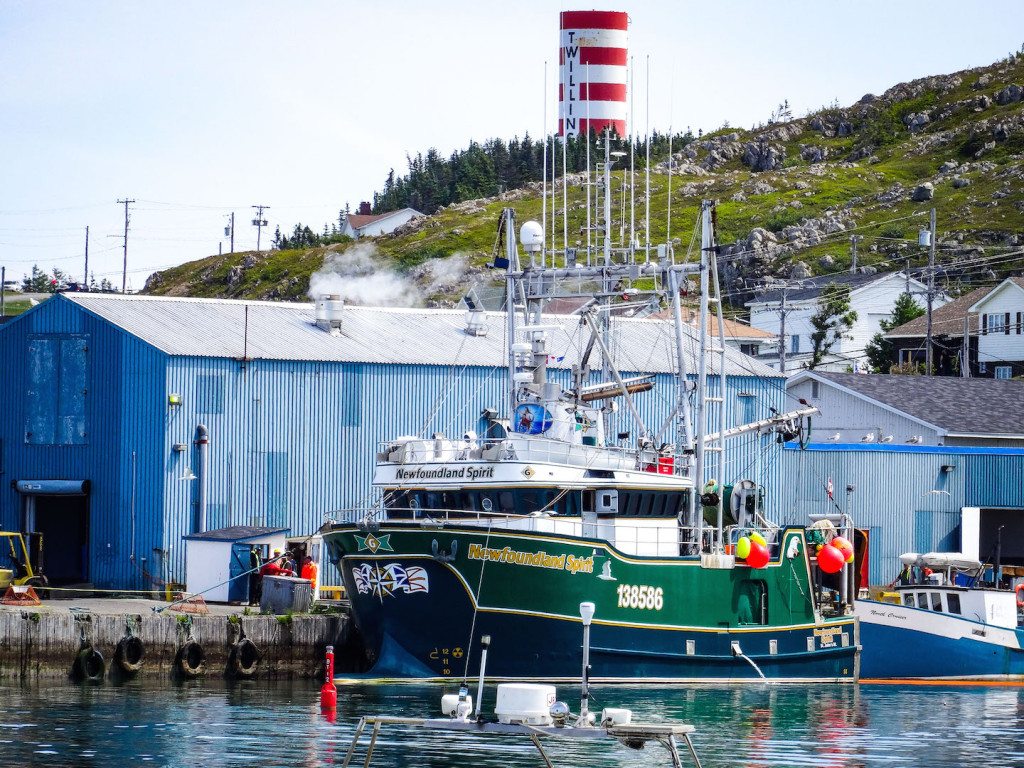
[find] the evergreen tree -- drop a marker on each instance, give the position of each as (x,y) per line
(832,319)
(880,351)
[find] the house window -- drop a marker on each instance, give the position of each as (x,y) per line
(750,349)
(982,366)
(996,322)
(814,388)
(1004,372)
(794,344)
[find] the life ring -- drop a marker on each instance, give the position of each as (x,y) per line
(129,653)
(245,658)
(191,659)
(1020,595)
(89,665)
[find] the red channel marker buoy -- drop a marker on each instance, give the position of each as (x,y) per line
(328,693)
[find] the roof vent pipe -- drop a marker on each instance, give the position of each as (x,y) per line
(329,309)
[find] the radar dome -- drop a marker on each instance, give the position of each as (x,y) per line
(532,236)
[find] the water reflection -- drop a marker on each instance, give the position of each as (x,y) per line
(211,724)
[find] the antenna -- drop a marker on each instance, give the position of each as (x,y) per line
(544,174)
(647,167)
(588,165)
(632,159)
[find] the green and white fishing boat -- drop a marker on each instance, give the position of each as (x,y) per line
(505,534)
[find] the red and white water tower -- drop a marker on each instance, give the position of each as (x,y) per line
(594,63)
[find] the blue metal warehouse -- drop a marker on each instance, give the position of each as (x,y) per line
(105,401)
(936,463)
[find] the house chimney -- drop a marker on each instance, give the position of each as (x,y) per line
(364,209)
(329,309)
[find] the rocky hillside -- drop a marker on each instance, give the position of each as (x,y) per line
(791,195)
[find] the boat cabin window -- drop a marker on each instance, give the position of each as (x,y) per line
(936,602)
(952,603)
(488,501)
(908,599)
(922,600)
(651,503)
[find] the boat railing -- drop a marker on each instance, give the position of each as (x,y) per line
(538,449)
(643,539)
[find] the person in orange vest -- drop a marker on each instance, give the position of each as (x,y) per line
(309,571)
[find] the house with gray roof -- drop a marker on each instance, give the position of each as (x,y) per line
(912,410)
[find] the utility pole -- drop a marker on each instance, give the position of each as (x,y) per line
(853,245)
(259,222)
(86,278)
(3,291)
(782,332)
(230,230)
(124,270)
(931,294)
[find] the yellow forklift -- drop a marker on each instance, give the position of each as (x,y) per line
(21,561)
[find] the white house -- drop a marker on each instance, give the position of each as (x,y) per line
(368,225)
(1001,340)
(872,297)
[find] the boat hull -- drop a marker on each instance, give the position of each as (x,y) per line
(901,642)
(416,607)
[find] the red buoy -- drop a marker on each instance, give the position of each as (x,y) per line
(328,693)
(830,559)
(759,555)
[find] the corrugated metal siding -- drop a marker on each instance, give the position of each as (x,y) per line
(904,493)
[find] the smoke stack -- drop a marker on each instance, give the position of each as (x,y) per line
(329,309)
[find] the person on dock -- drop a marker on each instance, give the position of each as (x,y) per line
(255,580)
(309,571)
(276,566)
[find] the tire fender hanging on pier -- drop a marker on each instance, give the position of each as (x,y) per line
(191,659)
(245,658)
(130,653)
(89,665)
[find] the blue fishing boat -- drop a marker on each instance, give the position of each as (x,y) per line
(942,625)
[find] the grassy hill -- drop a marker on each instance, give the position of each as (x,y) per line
(791,194)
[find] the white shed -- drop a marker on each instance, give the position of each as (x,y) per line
(214,558)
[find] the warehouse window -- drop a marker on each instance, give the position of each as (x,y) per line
(352,397)
(210,393)
(1004,372)
(57,386)
(747,408)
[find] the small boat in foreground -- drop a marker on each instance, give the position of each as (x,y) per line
(943,625)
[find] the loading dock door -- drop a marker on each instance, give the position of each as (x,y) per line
(59,510)
(1012,539)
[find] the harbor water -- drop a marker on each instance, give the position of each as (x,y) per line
(213,723)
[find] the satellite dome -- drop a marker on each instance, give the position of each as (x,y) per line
(531,235)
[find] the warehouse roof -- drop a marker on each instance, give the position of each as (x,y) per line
(953,406)
(236,533)
(284,331)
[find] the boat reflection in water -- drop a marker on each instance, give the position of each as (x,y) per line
(214,724)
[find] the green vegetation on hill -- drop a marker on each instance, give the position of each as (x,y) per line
(790,194)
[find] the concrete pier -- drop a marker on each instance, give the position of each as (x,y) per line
(49,640)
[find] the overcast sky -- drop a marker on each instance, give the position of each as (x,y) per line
(196,109)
